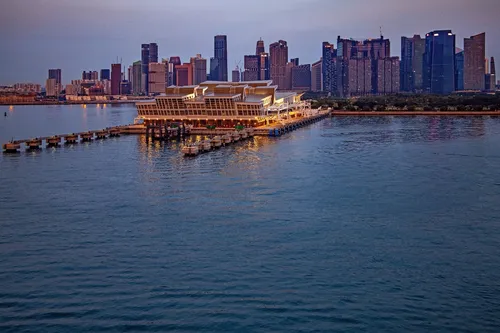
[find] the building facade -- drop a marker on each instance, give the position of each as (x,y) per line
(221,103)
(474,65)
(301,77)
(439,62)
(105,74)
(218,66)
(51,88)
(251,68)
(149,53)
(157,76)
(199,66)
(116,78)
(388,76)
(236,75)
(264,70)
(317,76)
(412,56)
(459,70)
(329,68)
(55,74)
(260,48)
(137,78)
(184,74)
(278,54)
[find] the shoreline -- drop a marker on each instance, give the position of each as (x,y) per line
(415,113)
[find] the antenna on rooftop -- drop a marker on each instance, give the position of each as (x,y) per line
(381,35)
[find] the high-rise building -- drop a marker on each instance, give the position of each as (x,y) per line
(388,76)
(55,74)
(260,48)
(278,53)
(251,68)
(490,78)
(301,77)
(157,83)
(199,66)
(235,77)
(317,76)
(295,61)
(94,75)
(137,78)
(459,69)
(174,61)
(356,62)
(184,74)
(439,62)
(86,75)
(412,56)
(474,66)
(153,52)
(288,75)
(264,71)
(51,88)
(125,87)
(218,66)
(116,74)
(149,53)
(105,74)
(329,68)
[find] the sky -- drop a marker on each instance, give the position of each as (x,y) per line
(77,35)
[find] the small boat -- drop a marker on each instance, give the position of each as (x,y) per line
(206,145)
(102,134)
(53,141)
(216,141)
(251,132)
(236,136)
(227,139)
(244,134)
(34,144)
(72,138)
(114,132)
(11,147)
(191,149)
(87,136)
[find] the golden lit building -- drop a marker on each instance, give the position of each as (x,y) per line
(223,104)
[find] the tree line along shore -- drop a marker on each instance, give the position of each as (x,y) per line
(402,102)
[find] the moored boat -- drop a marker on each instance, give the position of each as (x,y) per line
(235,135)
(114,132)
(11,147)
(72,138)
(87,136)
(244,134)
(206,145)
(53,141)
(216,141)
(227,139)
(34,144)
(251,132)
(191,149)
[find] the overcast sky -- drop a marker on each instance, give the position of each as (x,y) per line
(77,35)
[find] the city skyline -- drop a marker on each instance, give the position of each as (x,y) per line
(55,35)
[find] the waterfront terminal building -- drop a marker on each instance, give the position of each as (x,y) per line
(223,104)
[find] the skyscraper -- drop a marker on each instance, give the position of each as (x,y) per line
(149,53)
(105,74)
(199,67)
(56,75)
(137,78)
(236,75)
(412,55)
(474,66)
(219,62)
(264,71)
(301,77)
(388,76)
(251,65)
(295,61)
(439,62)
(116,75)
(329,68)
(278,53)
(156,78)
(174,62)
(317,76)
(459,69)
(184,74)
(260,48)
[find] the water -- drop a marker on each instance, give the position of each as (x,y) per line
(351,224)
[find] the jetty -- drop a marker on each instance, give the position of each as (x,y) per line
(204,146)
